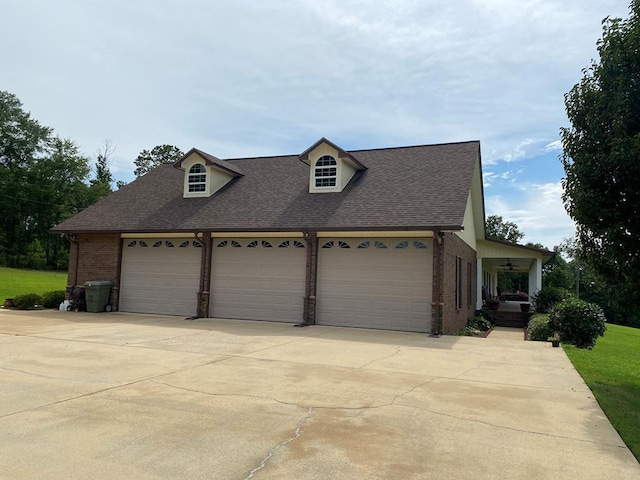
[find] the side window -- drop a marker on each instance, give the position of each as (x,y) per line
(458,283)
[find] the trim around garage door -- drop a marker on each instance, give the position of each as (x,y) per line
(258,279)
(383,283)
(160,276)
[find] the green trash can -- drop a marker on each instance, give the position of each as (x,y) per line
(97,296)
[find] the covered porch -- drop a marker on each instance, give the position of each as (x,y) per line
(495,256)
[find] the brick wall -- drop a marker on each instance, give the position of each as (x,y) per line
(455,318)
(95,257)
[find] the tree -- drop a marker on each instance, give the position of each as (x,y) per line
(43,180)
(101,185)
(497,228)
(601,158)
(148,160)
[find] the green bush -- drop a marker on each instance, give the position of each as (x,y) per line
(26,301)
(480,323)
(469,332)
(53,299)
(544,300)
(580,323)
(540,327)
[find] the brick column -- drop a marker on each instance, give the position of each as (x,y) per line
(437,305)
(205,276)
(309,315)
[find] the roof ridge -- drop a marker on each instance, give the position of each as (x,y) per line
(414,146)
(360,150)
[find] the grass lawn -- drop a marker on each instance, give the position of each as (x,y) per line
(612,371)
(14,281)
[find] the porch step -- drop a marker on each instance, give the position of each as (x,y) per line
(510,319)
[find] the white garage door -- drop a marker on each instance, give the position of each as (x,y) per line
(160,276)
(258,279)
(375,283)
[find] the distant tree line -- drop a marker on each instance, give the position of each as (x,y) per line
(45,179)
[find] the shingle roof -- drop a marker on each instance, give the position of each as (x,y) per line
(420,187)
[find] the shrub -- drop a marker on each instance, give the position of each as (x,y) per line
(26,301)
(547,298)
(540,327)
(469,332)
(480,323)
(580,323)
(53,299)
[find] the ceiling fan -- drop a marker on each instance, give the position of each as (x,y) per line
(508,265)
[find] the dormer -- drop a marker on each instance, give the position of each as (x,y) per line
(330,167)
(204,174)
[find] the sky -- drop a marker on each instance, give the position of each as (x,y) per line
(249,78)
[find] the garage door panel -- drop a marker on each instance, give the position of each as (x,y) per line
(159,278)
(257,282)
(373,287)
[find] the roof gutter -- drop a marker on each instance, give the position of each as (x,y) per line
(433,228)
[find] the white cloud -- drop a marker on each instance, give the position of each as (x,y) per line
(553,146)
(252,78)
(538,211)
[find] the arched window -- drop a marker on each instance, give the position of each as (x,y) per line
(197,178)
(326,171)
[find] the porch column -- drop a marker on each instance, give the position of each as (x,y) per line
(535,277)
(494,283)
(479,284)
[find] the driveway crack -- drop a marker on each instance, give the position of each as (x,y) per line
(274,449)
(398,349)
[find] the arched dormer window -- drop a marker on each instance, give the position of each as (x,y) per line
(197,178)
(326,171)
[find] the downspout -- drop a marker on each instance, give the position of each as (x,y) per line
(72,239)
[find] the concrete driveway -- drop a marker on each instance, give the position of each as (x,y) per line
(139,396)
